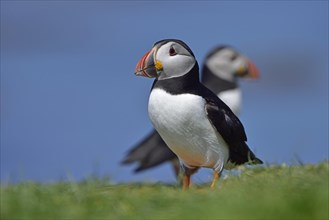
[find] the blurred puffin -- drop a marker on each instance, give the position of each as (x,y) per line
(194,123)
(222,67)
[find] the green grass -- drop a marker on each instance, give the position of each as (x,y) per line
(272,192)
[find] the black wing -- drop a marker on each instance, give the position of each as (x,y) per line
(230,128)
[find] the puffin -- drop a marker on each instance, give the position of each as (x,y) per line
(197,126)
(222,67)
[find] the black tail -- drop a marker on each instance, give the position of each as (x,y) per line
(150,152)
(241,154)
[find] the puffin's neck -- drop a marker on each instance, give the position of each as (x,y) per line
(215,83)
(187,83)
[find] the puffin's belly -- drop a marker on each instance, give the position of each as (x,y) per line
(182,123)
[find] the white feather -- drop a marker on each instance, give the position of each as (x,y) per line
(174,66)
(182,122)
(232,99)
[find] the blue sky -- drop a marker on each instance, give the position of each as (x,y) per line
(71,106)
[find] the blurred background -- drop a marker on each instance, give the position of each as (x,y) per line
(71,106)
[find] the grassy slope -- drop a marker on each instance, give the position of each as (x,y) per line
(274,192)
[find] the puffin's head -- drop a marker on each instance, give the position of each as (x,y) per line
(225,62)
(167,59)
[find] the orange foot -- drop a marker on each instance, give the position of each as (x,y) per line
(214,180)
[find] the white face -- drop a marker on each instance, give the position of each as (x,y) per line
(175,59)
(225,63)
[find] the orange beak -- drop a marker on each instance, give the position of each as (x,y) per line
(252,71)
(146,66)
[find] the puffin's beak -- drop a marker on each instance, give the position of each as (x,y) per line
(253,72)
(248,71)
(146,66)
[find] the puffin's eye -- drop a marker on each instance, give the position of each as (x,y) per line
(234,56)
(172,51)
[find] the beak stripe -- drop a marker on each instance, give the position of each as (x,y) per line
(140,65)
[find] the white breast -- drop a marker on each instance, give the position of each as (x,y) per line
(232,98)
(182,123)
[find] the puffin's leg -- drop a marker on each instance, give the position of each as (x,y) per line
(178,171)
(215,179)
(186,181)
(176,166)
(187,175)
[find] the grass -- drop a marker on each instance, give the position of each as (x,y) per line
(272,192)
